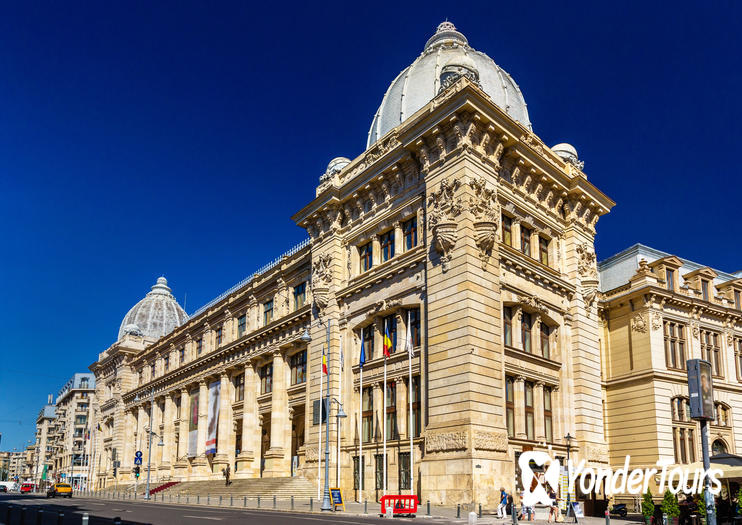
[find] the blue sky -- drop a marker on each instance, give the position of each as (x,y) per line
(142,139)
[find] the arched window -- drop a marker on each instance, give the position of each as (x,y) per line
(718,447)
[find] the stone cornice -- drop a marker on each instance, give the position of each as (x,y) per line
(515,260)
(381,272)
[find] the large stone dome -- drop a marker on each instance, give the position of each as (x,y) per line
(446,56)
(156,315)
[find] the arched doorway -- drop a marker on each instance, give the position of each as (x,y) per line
(718,447)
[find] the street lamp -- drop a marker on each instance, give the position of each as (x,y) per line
(569,439)
(151,432)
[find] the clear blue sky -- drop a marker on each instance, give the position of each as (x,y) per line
(151,138)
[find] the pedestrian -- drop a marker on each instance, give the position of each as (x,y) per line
(553,509)
(502,505)
(225,471)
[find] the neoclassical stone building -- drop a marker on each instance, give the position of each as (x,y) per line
(458,229)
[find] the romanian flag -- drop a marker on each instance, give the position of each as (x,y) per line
(363,352)
(387,341)
(324,361)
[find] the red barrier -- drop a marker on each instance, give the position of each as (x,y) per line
(400,504)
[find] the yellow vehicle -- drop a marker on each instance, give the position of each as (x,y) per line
(59,489)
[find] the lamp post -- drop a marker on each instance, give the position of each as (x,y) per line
(569,439)
(151,432)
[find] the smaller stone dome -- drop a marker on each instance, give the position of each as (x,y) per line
(568,153)
(156,315)
(337,164)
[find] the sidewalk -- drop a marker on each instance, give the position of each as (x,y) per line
(371,508)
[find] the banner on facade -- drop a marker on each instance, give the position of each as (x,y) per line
(213,418)
(193,426)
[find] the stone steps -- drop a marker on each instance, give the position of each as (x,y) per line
(282,488)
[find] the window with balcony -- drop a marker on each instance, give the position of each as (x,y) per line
(674,345)
(409,230)
(367,256)
(387,245)
(298,364)
(267,312)
(266,378)
(300,295)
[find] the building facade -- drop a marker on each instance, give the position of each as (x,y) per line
(46,432)
(70,438)
(657,311)
(457,230)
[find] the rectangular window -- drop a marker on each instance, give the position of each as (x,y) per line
(177,407)
(219,336)
(298,363)
(681,436)
(738,357)
(525,332)
(409,229)
(368,342)
(391,411)
(737,300)
(390,327)
(239,387)
(705,289)
(543,250)
(267,312)
(548,422)
(387,245)
(358,472)
(379,471)
(525,240)
(545,334)
(670,279)
(530,430)
(152,371)
(266,378)
(414,317)
(507,230)
(181,355)
(141,375)
(510,405)
(404,471)
(691,446)
(199,346)
(241,325)
(368,415)
(416,421)
(507,322)
(674,345)
(367,256)
(166,363)
(300,295)
(711,351)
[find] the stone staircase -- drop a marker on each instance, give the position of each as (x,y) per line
(282,488)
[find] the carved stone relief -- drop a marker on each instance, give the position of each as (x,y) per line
(586,262)
(497,441)
(444,441)
(444,207)
(483,205)
(639,324)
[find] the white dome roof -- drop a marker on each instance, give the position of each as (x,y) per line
(420,82)
(156,315)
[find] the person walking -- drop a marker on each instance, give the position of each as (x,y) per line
(226,476)
(502,505)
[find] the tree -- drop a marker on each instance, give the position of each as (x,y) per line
(670,505)
(648,505)
(701,503)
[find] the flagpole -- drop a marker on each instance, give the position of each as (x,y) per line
(319,445)
(410,430)
(337,430)
(360,420)
(383,412)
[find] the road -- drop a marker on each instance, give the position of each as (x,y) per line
(138,512)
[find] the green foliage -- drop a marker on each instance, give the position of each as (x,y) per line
(647,505)
(670,505)
(739,501)
(701,503)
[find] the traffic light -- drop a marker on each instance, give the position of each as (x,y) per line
(115,470)
(136,471)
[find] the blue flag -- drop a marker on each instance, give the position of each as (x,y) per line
(363,352)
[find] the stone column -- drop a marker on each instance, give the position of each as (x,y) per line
(379,412)
(398,238)
(376,248)
(402,407)
(248,462)
(520,407)
(181,464)
(277,461)
(515,234)
(200,463)
(378,328)
(536,336)
(168,433)
(228,334)
(129,441)
(221,460)
(538,412)
(517,320)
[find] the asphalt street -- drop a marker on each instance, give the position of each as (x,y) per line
(138,512)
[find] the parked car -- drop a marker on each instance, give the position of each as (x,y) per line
(3,488)
(28,487)
(59,489)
